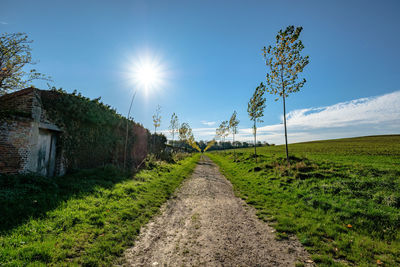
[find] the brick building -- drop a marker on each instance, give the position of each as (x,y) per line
(28,139)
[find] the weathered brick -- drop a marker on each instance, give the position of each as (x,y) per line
(19,129)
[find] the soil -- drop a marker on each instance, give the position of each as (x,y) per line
(205,224)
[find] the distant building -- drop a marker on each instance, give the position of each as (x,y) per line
(28,139)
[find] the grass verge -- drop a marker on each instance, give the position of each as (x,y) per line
(90,227)
(344,212)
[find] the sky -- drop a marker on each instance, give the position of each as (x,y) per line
(209,60)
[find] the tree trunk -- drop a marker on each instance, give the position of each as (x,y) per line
(255,147)
(233,143)
(284,116)
(154,139)
(284,122)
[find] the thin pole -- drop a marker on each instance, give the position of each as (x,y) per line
(127,126)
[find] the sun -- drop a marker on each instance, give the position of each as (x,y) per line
(147,72)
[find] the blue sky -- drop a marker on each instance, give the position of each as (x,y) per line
(210,52)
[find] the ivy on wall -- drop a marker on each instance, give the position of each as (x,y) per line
(94,133)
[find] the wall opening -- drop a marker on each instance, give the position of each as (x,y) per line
(46,152)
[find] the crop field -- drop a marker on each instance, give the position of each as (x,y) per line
(87,218)
(341,198)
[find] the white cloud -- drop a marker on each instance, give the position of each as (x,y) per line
(359,117)
(370,110)
(3,23)
(208,123)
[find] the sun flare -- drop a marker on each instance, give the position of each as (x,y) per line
(147,73)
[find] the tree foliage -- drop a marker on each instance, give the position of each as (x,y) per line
(255,109)
(228,145)
(223,130)
(174,125)
(157,118)
(285,62)
(256,105)
(184,131)
(218,133)
(233,124)
(186,135)
(15,54)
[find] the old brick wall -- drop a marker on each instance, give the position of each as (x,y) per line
(21,101)
(15,146)
(15,130)
(21,115)
(24,114)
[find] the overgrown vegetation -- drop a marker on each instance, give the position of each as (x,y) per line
(94,133)
(87,218)
(340,197)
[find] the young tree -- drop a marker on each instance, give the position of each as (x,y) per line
(174,125)
(255,109)
(15,54)
(218,133)
(184,132)
(285,63)
(157,118)
(222,131)
(233,124)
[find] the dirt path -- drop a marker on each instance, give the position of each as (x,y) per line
(204,224)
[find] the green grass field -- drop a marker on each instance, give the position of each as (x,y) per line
(340,197)
(88,218)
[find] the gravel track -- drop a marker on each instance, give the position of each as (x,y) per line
(205,224)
